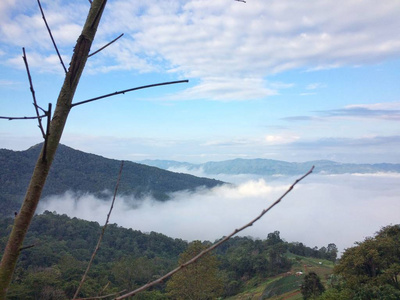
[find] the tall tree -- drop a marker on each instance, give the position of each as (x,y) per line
(312,286)
(39,176)
(198,281)
(372,268)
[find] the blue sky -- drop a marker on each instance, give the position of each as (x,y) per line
(289,80)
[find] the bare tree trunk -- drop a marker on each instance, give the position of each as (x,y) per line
(38,179)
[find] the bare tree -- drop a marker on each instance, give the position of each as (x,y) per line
(53,133)
(41,171)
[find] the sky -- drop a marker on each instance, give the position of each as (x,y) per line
(288,80)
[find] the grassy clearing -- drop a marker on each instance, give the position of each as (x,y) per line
(286,286)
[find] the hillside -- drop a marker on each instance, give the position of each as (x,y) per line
(269,167)
(57,249)
(287,285)
(83,172)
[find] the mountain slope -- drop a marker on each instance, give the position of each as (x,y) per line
(83,172)
(270,167)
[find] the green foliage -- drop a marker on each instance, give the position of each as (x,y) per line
(329,253)
(376,261)
(369,270)
(62,249)
(312,286)
(127,259)
(83,172)
(198,281)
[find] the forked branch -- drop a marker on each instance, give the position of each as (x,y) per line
(212,247)
(37,107)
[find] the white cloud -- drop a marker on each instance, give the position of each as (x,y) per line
(225,40)
(341,209)
(280,139)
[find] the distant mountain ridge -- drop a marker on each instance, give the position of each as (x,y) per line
(270,167)
(74,170)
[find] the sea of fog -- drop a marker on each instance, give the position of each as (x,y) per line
(321,209)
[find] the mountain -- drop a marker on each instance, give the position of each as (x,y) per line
(83,172)
(269,167)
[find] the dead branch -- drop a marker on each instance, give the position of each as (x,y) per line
(105,46)
(101,235)
(51,36)
(128,90)
(33,93)
(202,253)
(41,170)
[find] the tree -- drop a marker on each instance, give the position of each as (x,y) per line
(198,281)
(53,135)
(372,268)
(332,252)
(312,286)
(38,179)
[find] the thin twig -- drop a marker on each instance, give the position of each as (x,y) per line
(128,90)
(22,118)
(26,247)
(114,40)
(202,253)
(33,93)
(51,36)
(102,233)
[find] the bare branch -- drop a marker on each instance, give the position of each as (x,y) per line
(101,235)
(33,93)
(128,90)
(105,46)
(22,118)
(202,253)
(26,247)
(241,1)
(51,36)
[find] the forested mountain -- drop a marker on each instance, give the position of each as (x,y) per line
(270,167)
(58,248)
(83,172)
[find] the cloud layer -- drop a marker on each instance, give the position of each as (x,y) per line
(229,46)
(322,209)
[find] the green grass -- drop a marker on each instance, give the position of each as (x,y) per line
(286,286)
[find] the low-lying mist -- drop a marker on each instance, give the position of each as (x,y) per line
(322,209)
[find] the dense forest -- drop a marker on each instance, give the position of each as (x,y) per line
(58,248)
(82,172)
